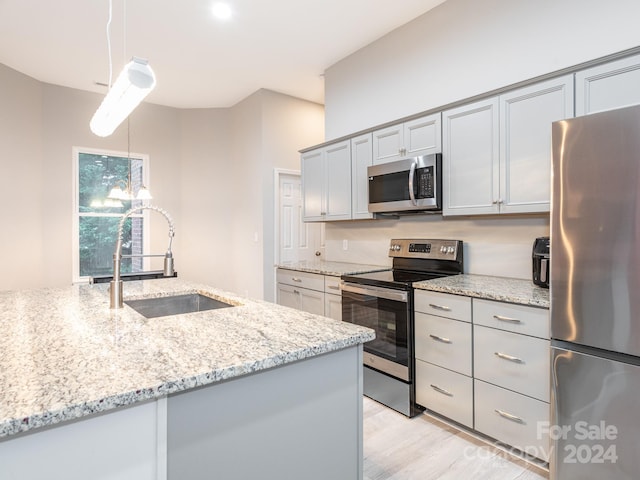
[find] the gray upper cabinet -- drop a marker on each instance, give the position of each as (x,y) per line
(611,85)
(470,161)
(421,136)
(326,183)
(361,158)
(525,144)
(497,152)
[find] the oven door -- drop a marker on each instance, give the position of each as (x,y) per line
(387,312)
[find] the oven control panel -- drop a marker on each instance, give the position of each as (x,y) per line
(435,249)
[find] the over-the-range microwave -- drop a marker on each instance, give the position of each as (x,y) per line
(411,185)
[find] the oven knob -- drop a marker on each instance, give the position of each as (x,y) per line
(443,249)
(450,250)
(396,248)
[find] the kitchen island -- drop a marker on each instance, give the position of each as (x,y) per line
(254,390)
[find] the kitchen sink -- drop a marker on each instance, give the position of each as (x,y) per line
(175,305)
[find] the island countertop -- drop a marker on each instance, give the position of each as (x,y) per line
(66,355)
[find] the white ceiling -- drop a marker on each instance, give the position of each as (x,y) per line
(281,45)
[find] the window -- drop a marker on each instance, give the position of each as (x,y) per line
(96,217)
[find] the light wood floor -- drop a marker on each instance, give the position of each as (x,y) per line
(424,448)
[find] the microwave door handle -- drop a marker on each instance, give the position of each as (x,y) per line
(412,173)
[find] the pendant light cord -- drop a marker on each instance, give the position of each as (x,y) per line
(109,42)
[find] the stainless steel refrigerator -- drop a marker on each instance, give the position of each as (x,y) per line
(595,297)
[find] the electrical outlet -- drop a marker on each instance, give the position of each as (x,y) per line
(345,244)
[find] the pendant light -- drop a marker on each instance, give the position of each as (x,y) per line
(133,84)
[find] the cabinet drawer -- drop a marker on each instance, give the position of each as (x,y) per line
(444,342)
(445,392)
(332,285)
(312,281)
(512,361)
(512,418)
(514,318)
(443,305)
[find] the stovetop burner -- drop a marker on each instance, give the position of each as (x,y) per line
(415,261)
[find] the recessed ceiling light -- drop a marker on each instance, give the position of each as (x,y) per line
(222,11)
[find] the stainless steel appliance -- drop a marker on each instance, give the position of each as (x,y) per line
(540,261)
(383,301)
(412,185)
(595,297)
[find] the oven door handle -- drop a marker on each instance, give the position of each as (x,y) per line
(386,293)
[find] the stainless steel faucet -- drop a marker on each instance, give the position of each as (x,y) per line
(115,286)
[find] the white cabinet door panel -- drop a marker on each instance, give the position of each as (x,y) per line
(287,296)
(608,86)
(470,153)
(361,158)
(333,306)
(338,182)
(313,180)
(423,136)
(387,144)
(311,301)
(525,145)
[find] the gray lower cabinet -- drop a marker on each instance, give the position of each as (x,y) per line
(443,355)
(485,365)
(302,420)
(309,292)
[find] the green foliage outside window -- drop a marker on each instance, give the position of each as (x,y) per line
(97,223)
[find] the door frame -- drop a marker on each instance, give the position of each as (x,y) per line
(277,173)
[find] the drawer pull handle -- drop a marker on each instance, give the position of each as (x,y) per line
(511,358)
(440,307)
(509,416)
(296,292)
(507,319)
(441,390)
(440,339)
(296,279)
(334,287)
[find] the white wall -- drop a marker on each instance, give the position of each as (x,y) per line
(467,47)
(21,226)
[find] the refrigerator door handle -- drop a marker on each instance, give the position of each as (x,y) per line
(509,416)
(511,358)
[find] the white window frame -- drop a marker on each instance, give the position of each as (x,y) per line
(75,230)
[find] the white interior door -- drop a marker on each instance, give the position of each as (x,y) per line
(296,240)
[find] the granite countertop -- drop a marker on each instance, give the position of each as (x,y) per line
(335,269)
(65,354)
(503,289)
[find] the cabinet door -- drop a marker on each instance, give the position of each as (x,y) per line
(313,179)
(423,136)
(471,159)
(361,158)
(311,301)
(287,296)
(608,86)
(525,143)
(388,144)
(333,306)
(338,181)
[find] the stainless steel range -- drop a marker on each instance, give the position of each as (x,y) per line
(383,301)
